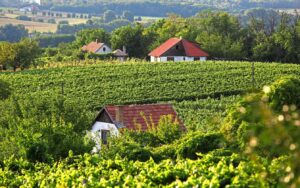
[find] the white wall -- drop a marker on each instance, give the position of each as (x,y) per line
(202,58)
(107,50)
(152,59)
(189,58)
(95,133)
(162,59)
(176,59)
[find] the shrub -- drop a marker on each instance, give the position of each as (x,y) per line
(167,129)
(24,18)
(63,22)
(5,90)
(285,91)
(52,21)
(125,149)
(197,142)
(164,152)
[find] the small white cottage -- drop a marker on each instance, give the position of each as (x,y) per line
(97,47)
(111,119)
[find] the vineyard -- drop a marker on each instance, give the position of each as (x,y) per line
(44,143)
(91,171)
(98,85)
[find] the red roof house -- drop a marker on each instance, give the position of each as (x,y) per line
(96,47)
(133,116)
(178,49)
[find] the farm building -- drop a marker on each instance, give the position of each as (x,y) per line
(97,47)
(178,49)
(101,48)
(111,119)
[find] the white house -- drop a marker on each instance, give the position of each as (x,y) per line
(111,119)
(96,47)
(32,1)
(178,49)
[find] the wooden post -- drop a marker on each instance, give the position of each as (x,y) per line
(253,76)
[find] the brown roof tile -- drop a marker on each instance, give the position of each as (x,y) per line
(128,114)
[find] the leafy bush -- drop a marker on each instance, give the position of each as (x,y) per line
(164,152)
(22,17)
(285,91)
(125,149)
(5,90)
(197,142)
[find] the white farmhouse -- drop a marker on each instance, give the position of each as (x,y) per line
(97,47)
(111,119)
(178,49)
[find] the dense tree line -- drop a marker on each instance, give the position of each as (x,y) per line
(12,33)
(270,37)
(162,8)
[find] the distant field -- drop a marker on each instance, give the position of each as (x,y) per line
(290,11)
(31,26)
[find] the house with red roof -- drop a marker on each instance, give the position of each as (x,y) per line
(178,49)
(96,47)
(101,48)
(112,118)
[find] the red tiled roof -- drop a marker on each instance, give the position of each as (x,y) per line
(92,47)
(130,115)
(191,49)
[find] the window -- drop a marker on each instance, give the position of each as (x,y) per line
(170,58)
(177,47)
(104,49)
(104,136)
(197,58)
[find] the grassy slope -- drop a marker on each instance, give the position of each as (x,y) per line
(98,85)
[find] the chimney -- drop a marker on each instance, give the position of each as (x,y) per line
(119,115)
(180,37)
(96,40)
(124,49)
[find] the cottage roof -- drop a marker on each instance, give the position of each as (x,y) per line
(92,47)
(131,115)
(119,53)
(191,49)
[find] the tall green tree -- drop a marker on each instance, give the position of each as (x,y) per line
(84,37)
(220,34)
(132,38)
(128,16)
(109,16)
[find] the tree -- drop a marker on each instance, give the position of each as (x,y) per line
(220,34)
(84,37)
(128,15)
(12,33)
(131,37)
(18,55)
(109,16)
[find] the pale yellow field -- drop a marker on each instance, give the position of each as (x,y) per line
(31,26)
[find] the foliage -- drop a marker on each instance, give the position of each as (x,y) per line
(5,90)
(12,33)
(42,129)
(284,91)
(93,171)
(84,37)
(197,142)
(132,38)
